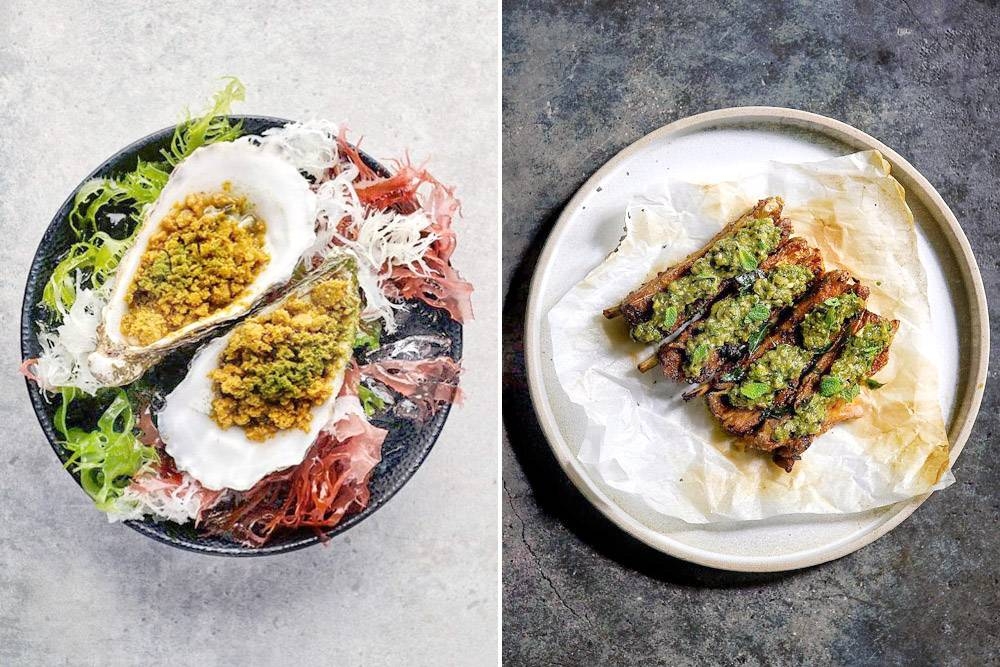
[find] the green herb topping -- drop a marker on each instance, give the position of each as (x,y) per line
(850,369)
(737,319)
(826,319)
(731,256)
(775,370)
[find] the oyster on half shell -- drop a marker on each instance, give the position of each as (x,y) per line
(229,227)
(255,399)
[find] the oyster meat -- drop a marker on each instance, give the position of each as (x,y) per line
(229,228)
(255,399)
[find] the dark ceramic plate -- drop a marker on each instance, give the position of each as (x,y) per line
(405,448)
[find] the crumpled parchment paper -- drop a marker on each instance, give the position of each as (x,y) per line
(643,439)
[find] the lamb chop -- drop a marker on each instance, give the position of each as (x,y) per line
(734,326)
(826,395)
(663,304)
(766,381)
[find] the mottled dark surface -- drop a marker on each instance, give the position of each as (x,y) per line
(581,82)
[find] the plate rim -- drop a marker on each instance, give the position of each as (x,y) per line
(143,527)
(966,411)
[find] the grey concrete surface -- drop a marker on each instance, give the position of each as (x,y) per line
(582,81)
(416,584)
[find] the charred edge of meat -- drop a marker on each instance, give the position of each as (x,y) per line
(786,455)
(672,355)
(637,305)
(742,421)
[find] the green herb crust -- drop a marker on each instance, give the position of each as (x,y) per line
(728,257)
(774,371)
(842,382)
(783,365)
(826,319)
(92,260)
(735,319)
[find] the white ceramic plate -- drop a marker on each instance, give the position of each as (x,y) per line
(708,147)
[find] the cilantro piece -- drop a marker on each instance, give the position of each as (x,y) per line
(755,340)
(830,385)
(668,318)
(747,261)
(700,355)
(754,390)
(758,313)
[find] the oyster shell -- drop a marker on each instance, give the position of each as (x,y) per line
(279,196)
(232,456)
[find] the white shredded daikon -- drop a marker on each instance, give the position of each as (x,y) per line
(377,305)
(150,496)
(336,200)
(310,146)
(389,240)
(382,241)
(63,361)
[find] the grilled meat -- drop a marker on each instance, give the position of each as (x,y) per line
(831,289)
(740,316)
(825,396)
(779,348)
(702,276)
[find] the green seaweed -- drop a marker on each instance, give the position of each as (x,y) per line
(94,256)
(107,457)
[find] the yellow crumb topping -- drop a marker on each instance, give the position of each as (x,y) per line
(278,365)
(206,252)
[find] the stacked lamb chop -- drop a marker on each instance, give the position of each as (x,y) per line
(779,347)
